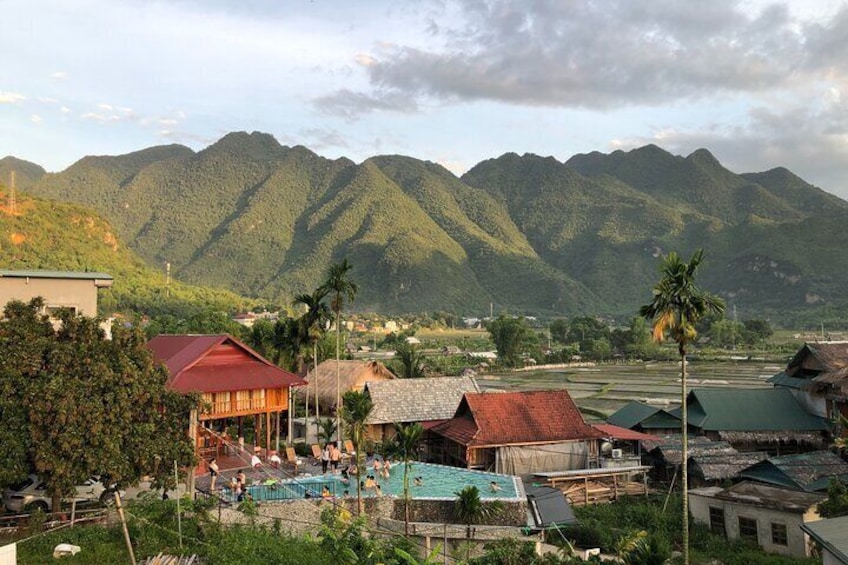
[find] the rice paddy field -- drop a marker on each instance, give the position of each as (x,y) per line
(601,390)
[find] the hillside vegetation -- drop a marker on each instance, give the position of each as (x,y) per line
(51,235)
(526,234)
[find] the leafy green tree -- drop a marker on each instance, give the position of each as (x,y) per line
(470,509)
(726,333)
(677,304)
(513,339)
(757,331)
(837,500)
(356,408)
(87,405)
(559,330)
(340,289)
(583,329)
(411,360)
(407,441)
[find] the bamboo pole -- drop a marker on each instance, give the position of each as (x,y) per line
(124,526)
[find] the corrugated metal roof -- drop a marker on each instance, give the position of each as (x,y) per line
(417,400)
(55,275)
(805,471)
(617,432)
(773,409)
(632,414)
(216,363)
(832,534)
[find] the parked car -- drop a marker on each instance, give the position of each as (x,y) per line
(31,494)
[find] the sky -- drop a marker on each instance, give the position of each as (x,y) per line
(759,84)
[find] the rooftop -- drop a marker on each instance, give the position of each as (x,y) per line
(417,400)
(832,534)
(764,496)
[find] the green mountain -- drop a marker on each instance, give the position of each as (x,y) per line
(52,235)
(522,233)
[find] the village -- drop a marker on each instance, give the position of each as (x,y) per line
(760,461)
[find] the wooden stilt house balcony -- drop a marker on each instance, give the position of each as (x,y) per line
(234,382)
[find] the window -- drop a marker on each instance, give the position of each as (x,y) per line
(717,521)
(778,534)
(748,528)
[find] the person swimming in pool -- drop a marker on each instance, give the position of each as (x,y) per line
(494,487)
(418,481)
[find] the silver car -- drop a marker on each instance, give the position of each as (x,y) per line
(31,494)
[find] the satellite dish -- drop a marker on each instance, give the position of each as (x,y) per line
(606,447)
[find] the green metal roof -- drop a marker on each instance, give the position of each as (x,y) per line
(55,275)
(832,534)
(784,380)
(750,410)
(805,471)
(631,414)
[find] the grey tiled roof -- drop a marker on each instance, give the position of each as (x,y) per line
(417,400)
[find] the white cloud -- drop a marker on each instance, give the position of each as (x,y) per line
(36,119)
(11,97)
(47,100)
(59,75)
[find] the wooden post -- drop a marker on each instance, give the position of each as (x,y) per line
(123,518)
(290,437)
(192,432)
(267,434)
(277,443)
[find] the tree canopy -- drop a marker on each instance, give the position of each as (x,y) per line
(513,339)
(75,404)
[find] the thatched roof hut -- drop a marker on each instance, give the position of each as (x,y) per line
(352,376)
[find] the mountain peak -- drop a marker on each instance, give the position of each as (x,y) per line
(704,157)
(256,145)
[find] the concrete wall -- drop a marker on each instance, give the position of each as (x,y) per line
(798,542)
(80,294)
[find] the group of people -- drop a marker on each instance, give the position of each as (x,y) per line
(331,456)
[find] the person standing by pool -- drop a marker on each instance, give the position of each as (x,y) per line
(335,457)
(325,458)
(213,473)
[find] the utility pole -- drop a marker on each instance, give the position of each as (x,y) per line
(168,279)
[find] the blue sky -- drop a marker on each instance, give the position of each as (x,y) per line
(760,84)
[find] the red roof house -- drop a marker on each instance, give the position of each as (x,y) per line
(516,433)
(233,380)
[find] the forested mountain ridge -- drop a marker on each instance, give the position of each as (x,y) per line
(524,233)
(52,235)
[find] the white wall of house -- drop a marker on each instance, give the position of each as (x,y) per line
(798,543)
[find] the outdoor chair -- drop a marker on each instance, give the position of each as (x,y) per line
(291,458)
(316,453)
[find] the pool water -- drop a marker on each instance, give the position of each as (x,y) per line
(437,482)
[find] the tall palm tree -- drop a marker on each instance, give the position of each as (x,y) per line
(340,288)
(313,325)
(407,440)
(356,408)
(677,304)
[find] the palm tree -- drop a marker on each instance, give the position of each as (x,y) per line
(356,408)
(469,509)
(678,303)
(313,324)
(407,439)
(411,360)
(340,288)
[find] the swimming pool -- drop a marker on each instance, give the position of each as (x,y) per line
(437,482)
